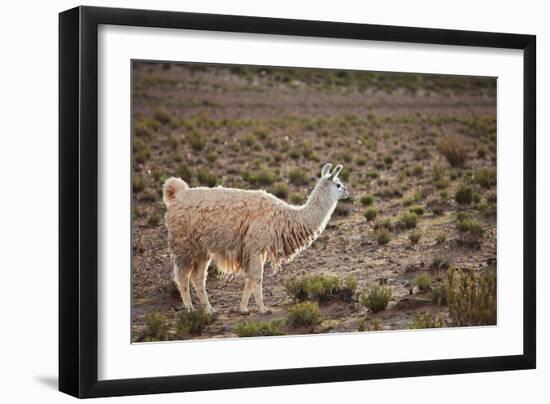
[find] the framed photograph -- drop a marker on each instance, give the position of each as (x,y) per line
(251,201)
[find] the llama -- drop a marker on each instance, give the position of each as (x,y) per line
(240,230)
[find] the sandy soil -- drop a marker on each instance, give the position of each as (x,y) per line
(249,121)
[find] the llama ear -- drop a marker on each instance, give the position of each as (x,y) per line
(336,171)
(325,171)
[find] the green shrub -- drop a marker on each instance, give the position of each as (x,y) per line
(141,130)
(439,263)
(415,236)
(296,198)
(408,220)
(163,116)
(259,328)
(464,195)
(486,177)
(280,190)
(206,177)
(417,210)
(298,177)
(370,214)
(157,327)
(439,294)
(304,314)
(454,148)
(423,281)
(385,223)
(441,238)
(154,219)
(321,287)
(193,322)
(376,298)
(382,236)
(138,183)
(211,157)
(367,200)
(250,141)
(472,297)
(427,320)
(184,172)
(263,176)
(196,140)
(369,325)
(471,231)
(373,174)
(141,150)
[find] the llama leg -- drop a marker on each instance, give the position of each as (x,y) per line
(198,278)
(243,307)
(181,276)
(256,274)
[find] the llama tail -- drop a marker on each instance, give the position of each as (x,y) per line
(172,186)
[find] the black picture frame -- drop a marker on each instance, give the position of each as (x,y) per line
(78,201)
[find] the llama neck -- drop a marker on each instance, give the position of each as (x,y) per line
(318,208)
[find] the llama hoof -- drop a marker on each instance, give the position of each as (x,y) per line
(244,312)
(265,311)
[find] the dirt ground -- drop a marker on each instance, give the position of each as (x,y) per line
(221,125)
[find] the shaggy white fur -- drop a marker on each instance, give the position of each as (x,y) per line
(240,230)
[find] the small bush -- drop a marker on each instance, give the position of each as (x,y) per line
(321,287)
(455,150)
(369,325)
(439,263)
(439,295)
(196,140)
(304,314)
(373,174)
(471,231)
(193,322)
(157,327)
(423,281)
(417,210)
(259,328)
(408,220)
(342,210)
(385,223)
(154,219)
(296,198)
(298,177)
(464,195)
(486,177)
(440,238)
(250,141)
(280,190)
(415,236)
(163,116)
(382,236)
(376,298)
(370,214)
(427,320)
(184,172)
(263,176)
(472,298)
(206,177)
(141,150)
(367,200)
(138,183)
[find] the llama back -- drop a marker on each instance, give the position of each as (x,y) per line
(216,222)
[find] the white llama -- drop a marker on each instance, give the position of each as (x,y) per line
(240,230)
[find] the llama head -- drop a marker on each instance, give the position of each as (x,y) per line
(337,188)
